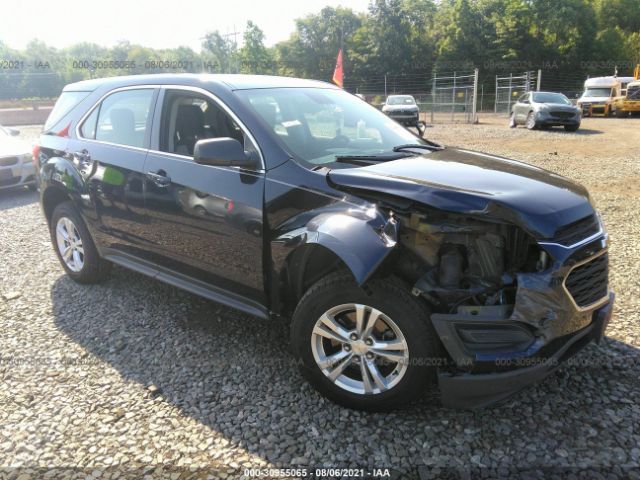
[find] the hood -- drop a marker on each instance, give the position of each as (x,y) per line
(411,106)
(10,147)
(462,181)
(594,99)
(562,107)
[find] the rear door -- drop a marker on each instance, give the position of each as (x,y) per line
(205,222)
(113,141)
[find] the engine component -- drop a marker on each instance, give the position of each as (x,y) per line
(486,258)
(450,269)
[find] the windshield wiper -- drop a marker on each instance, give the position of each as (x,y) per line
(431,146)
(370,159)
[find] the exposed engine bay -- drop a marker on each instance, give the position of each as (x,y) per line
(463,261)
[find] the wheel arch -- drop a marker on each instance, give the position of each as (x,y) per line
(329,243)
(53,196)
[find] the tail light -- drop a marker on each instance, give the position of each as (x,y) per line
(64,132)
(35,153)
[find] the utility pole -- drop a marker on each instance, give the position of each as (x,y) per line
(235,46)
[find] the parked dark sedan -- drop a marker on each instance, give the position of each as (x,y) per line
(545,109)
(398,260)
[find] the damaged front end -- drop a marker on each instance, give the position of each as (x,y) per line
(508,307)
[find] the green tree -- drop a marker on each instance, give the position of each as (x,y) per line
(254,56)
(312,48)
(220,51)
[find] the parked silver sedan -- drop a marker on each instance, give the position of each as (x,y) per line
(16,161)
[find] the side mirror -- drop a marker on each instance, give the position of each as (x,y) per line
(13,132)
(222,152)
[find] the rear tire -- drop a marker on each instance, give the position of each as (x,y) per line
(512,121)
(74,246)
(388,314)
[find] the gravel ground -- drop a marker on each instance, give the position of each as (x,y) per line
(135,377)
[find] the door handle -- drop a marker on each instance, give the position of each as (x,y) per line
(160,178)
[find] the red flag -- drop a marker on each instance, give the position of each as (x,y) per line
(337,73)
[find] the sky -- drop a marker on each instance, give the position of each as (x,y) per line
(157,23)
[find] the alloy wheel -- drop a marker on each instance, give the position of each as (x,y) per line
(360,349)
(69,244)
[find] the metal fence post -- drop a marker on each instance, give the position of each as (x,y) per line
(539,80)
(433,94)
(385,87)
(475,97)
(495,106)
(510,91)
(453,94)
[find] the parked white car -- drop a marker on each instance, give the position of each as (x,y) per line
(16,160)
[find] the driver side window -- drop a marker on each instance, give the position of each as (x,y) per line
(188,117)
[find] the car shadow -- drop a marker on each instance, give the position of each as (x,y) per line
(17,197)
(580,131)
(235,375)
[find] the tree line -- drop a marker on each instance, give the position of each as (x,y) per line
(394,37)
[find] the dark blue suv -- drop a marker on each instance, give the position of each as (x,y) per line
(400,262)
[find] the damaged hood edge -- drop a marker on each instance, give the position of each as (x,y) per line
(466,182)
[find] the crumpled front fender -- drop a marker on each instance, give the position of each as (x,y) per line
(360,238)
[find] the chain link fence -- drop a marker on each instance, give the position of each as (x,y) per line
(508,89)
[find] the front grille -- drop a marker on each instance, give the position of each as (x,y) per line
(8,161)
(404,112)
(588,283)
(576,231)
(559,114)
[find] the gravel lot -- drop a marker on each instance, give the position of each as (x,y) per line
(135,377)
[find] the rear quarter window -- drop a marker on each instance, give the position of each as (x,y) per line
(66,102)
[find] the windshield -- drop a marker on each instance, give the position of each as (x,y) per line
(551,98)
(633,92)
(319,125)
(401,100)
(597,92)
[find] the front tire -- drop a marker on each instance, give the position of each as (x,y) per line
(74,246)
(367,348)
(531,121)
(572,128)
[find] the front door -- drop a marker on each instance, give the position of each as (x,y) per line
(205,222)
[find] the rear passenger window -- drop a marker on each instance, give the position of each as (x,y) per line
(123,118)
